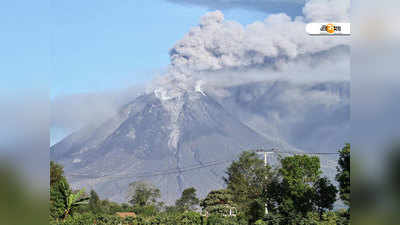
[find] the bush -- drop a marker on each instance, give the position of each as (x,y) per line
(190,218)
(222,220)
(260,222)
(78,219)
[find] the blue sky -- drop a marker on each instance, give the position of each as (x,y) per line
(86,46)
(98,45)
(24,45)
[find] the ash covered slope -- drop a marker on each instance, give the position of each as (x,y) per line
(154,134)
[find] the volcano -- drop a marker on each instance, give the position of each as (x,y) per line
(188,140)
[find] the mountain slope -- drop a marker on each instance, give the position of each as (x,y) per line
(155,134)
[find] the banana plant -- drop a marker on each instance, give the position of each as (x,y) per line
(73,200)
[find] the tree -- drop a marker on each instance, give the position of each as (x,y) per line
(218,202)
(56,173)
(142,194)
(58,184)
(325,195)
(188,200)
(343,175)
(94,202)
(248,180)
(301,188)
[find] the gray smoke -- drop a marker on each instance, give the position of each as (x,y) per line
(279,43)
(72,112)
(217,44)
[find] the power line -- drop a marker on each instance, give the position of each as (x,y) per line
(276,150)
(199,165)
(166,171)
(181,170)
(311,153)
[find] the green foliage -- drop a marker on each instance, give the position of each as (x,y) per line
(56,173)
(312,218)
(260,222)
(147,210)
(62,199)
(218,202)
(300,167)
(58,185)
(89,219)
(190,218)
(80,219)
(343,175)
(72,200)
(143,194)
(172,210)
(248,180)
(188,200)
(296,194)
(216,219)
(301,187)
(325,195)
(58,201)
(94,203)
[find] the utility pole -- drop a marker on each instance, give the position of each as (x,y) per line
(265,152)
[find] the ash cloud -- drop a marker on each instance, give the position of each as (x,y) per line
(278,44)
(72,112)
(217,44)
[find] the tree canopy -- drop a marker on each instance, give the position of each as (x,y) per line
(301,190)
(141,194)
(188,200)
(343,175)
(248,179)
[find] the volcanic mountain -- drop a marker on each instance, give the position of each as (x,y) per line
(188,140)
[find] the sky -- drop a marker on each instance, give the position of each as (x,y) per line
(87,46)
(104,44)
(65,48)
(24,44)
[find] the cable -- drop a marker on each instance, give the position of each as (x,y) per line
(310,153)
(167,171)
(197,166)
(180,170)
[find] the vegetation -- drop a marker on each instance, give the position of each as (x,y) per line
(248,180)
(343,176)
(188,200)
(294,193)
(218,202)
